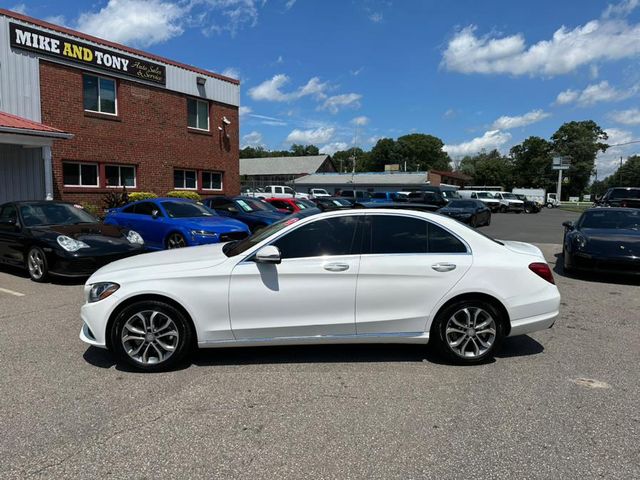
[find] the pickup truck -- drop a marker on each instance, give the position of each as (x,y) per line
(278,191)
(621,197)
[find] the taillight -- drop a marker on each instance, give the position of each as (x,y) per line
(543,271)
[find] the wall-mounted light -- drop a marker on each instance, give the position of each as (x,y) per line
(226,121)
(201,80)
(220,128)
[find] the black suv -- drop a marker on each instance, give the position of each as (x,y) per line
(621,197)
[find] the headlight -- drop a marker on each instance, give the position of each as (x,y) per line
(203,233)
(100,291)
(71,245)
(580,241)
(135,237)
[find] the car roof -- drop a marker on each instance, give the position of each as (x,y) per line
(610,209)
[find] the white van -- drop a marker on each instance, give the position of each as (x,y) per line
(509,202)
(484,196)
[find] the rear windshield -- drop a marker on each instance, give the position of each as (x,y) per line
(624,193)
(611,219)
(449,194)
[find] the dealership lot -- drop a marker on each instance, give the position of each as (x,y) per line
(558,403)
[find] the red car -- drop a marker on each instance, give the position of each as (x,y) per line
(291,205)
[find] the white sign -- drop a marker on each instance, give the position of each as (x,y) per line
(560,163)
(574,199)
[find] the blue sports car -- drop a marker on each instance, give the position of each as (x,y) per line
(254,212)
(175,222)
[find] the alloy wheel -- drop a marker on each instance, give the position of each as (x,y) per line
(150,337)
(36,264)
(470,332)
(176,241)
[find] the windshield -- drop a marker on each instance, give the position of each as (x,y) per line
(254,205)
(462,204)
(485,195)
(611,219)
(48,213)
(450,194)
(186,210)
(232,249)
(624,193)
(509,196)
(302,204)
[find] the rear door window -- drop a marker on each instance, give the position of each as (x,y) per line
(146,208)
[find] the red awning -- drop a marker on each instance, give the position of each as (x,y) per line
(22,126)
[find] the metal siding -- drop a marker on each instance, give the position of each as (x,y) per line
(19,79)
(21,173)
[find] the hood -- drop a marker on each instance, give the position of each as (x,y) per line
(216,224)
(93,234)
(489,200)
(458,211)
(147,265)
(514,200)
(266,215)
(623,243)
(523,248)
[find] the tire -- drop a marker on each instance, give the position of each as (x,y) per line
(473,222)
(472,348)
(565,263)
(488,221)
(176,240)
(151,336)
(37,265)
(549,205)
(527,210)
(503,209)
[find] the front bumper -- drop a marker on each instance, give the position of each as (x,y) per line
(84,264)
(222,237)
(512,208)
(614,265)
(94,320)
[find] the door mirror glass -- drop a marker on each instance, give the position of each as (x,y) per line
(155,214)
(268,254)
(569,225)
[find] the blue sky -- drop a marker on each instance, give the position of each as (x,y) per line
(479,75)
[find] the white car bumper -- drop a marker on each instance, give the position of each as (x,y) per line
(533,324)
(95,317)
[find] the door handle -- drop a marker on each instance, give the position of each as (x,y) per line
(443,267)
(336,267)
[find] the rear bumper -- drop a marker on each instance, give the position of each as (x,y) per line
(533,324)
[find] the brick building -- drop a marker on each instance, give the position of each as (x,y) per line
(80,116)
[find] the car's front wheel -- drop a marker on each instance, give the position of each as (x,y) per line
(37,265)
(469,331)
(176,240)
(151,336)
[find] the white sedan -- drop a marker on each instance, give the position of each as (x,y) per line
(354,276)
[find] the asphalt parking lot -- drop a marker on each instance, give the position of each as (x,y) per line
(562,403)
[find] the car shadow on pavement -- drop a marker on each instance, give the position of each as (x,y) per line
(54,279)
(520,346)
(594,277)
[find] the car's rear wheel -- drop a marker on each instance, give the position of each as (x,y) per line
(469,331)
(176,240)
(566,264)
(151,336)
(37,265)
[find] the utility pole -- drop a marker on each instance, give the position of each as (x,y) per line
(560,185)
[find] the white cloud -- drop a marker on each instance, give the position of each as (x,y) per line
(244,111)
(57,20)
(289,4)
(626,117)
(376,17)
(271,90)
(231,72)
(450,113)
(488,141)
(333,147)
(356,72)
(252,139)
(621,9)
(19,8)
(567,50)
(360,121)
(315,136)
(595,93)
(336,102)
(218,16)
(139,22)
(609,161)
(506,122)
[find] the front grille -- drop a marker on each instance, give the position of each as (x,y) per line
(230,236)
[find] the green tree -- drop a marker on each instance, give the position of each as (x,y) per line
(532,161)
(343,160)
(422,152)
(489,168)
(581,142)
(384,152)
(304,150)
(628,175)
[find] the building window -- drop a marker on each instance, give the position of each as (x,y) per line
(185,179)
(120,175)
(79,174)
(198,114)
(212,180)
(99,94)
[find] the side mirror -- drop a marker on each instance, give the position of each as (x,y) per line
(232,210)
(569,225)
(269,254)
(155,214)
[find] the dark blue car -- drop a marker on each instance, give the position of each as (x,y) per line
(175,222)
(254,212)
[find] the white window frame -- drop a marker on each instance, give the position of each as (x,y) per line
(185,179)
(213,172)
(197,100)
(97,185)
(115,91)
(119,166)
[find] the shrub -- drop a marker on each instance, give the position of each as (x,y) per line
(116,199)
(93,209)
(137,196)
(184,194)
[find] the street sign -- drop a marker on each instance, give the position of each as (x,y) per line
(561,163)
